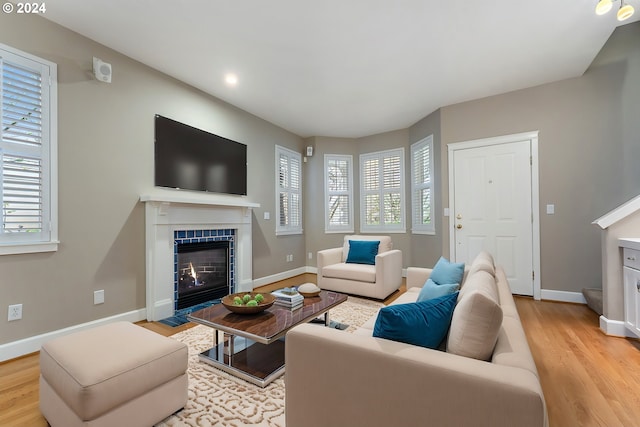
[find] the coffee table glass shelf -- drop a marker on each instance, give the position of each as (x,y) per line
(252,345)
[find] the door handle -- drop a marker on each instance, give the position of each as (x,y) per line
(459,226)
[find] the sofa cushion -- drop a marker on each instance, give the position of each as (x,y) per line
(480,280)
(447,272)
(362,252)
(432,290)
(483,262)
(385,243)
(421,323)
(475,324)
(358,272)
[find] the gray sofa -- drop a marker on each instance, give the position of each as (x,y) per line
(341,379)
(373,281)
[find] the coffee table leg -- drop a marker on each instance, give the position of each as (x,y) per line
(327,319)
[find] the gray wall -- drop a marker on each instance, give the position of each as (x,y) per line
(316,238)
(105,163)
(588,152)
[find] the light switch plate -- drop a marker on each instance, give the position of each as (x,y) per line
(551,209)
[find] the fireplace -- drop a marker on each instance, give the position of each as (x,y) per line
(174,217)
(203,268)
(202,272)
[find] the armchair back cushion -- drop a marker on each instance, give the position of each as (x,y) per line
(385,243)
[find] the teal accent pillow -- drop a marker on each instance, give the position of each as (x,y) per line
(447,272)
(420,323)
(363,251)
(432,290)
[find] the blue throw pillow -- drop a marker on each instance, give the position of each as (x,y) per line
(363,251)
(432,290)
(447,272)
(420,323)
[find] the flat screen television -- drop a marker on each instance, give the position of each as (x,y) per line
(192,159)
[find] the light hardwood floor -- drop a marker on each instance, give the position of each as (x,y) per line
(588,378)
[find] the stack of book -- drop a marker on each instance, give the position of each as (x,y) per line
(288,298)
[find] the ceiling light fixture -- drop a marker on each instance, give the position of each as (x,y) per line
(625,12)
(603,7)
(231,79)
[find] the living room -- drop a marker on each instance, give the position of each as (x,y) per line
(588,143)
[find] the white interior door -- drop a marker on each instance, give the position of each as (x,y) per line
(492,208)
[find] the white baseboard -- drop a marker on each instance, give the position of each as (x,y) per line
(24,346)
(562,296)
(279,276)
(615,328)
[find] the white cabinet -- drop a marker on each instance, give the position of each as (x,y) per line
(631,272)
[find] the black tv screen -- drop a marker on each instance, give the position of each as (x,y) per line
(192,159)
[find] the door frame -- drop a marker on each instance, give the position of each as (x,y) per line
(532,137)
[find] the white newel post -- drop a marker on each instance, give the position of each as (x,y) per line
(167,211)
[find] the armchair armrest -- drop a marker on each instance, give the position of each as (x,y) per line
(339,379)
(328,257)
(389,270)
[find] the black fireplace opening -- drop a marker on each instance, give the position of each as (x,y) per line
(202,272)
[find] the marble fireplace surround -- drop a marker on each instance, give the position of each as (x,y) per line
(169,210)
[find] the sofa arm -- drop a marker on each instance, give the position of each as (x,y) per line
(339,379)
(389,270)
(328,257)
(417,276)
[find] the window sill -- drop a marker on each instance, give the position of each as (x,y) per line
(343,231)
(383,230)
(28,248)
(288,232)
(425,232)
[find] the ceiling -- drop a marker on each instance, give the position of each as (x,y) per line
(349,68)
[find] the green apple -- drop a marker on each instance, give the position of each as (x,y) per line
(252,303)
(259,298)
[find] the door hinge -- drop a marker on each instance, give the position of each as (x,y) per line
(533,275)
(531,160)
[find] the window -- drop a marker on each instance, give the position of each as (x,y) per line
(338,193)
(422,186)
(288,191)
(27,153)
(382,191)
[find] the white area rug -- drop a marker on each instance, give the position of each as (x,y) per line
(219,399)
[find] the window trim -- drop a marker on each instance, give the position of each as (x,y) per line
(287,230)
(328,228)
(49,156)
(416,226)
(382,228)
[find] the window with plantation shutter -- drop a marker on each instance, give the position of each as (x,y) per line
(288,191)
(27,147)
(382,191)
(422,187)
(338,193)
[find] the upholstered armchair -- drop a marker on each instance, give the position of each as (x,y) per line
(343,271)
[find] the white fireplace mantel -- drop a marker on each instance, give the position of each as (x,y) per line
(167,211)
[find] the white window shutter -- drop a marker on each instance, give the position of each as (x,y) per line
(288,191)
(422,186)
(382,191)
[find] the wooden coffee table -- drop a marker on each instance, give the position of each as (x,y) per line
(252,347)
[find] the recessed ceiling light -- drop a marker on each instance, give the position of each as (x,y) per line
(231,79)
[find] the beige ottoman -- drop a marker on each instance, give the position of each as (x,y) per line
(118,374)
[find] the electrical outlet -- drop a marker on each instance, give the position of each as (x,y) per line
(15,312)
(310,255)
(98,297)
(289,258)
